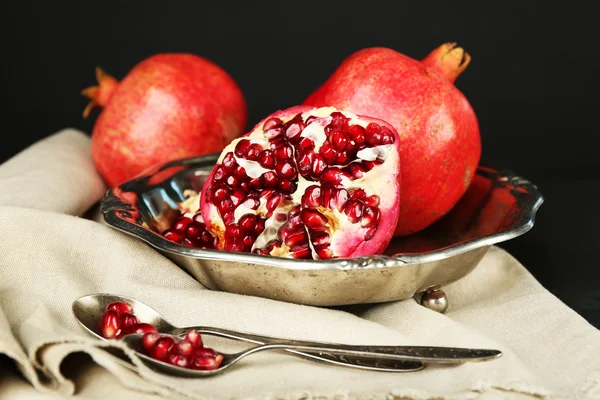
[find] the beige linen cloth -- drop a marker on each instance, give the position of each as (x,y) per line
(49,256)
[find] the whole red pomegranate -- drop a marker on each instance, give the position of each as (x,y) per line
(310,183)
(437,126)
(169,106)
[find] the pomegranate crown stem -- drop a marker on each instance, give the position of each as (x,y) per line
(449,59)
(100,94)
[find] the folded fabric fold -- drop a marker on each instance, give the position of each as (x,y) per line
(48,258)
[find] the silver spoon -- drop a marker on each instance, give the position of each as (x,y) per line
(88,310)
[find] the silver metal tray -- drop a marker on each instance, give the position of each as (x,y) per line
(497,207)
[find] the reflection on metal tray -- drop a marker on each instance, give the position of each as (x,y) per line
(497,207)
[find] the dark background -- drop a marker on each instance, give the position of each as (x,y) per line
(533,83)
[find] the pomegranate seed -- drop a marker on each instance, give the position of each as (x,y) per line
(247,221)
(310,119)
(274,133)
(271,122)
(220,193)
(266,159)
(356,170)
(120,307)
(370,233)
(198,218)
(370,217)
(253,152)
(339,199)
(235,245)
(233,231)
(178,360)
(305,161)
(162,348)
(188,242)
(240,173)
(313,219)
(293,132)
(342,158)
(294,221)
(273,202)
(387,137)
(371,201)
(271,179)
(256,183)
(259,227)
(229,162)
(296,239)
(369,165)
(306,144)
(284,152)
(287,186)
(206,364)
(324,252)
(318,166)
(173,236)
(358,134)
(302,252)
(194,337)
(333,176)
(248,241)
(237,197)
(232,181)
(320,239)
(194,231)
(354,210)
(326,194)
(227,217)
(206,352)
(358,194)
(128,321)
(143,327)
(225,205)
(311,197)
(328,153)
(244,186)
(338,120)
(185,347)
(338,139)
(262,252)
(219,174)
(241,147)
(149,340)
(180,224)
(286,170)
(111,325)
(374,134)
(251,203)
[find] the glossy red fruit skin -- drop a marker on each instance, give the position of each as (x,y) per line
(120,307)
(111,324)
(169,106)
(439,133)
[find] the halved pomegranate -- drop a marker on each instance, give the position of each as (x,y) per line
(309,183)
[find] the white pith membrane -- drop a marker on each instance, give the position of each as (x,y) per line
(379,180)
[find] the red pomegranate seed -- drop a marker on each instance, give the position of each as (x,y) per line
(310,119)
(342,158)
(233,231)
(225,205)
(235,245)
(324,252)
(253,152)
(128,321)
(220,193)
(370,217)
(369,165)
(371,201)
(178,360)
(327,193)
(111,324)
(320,239)
(311,197)
(338,120)
(247,221)
(206,364)
(205,352)
(120,307)
(219,174)
(180,224)
(284,152)
(328,153)
(374,134)
(296,239)
(302,252)
(313,219)
(185,347)
(259,227)
(149,340)
(229,162)
(305,161)
(339,199)
(173,236)
(287,186)
(370,233)
(256,183)
(354,210)
(356,170)
(271,122)
(387,137)
(358,194)
(333,176)
(194,231)
(143,327)
(294,221)
(358,134)
(227,217)
(273,201)
(237,197)
(286,170)
(293,132)
(266,159)
(240,173)
(232,181)
(271,179)
(248,241)
(241,147)
(244,186)
(318,166)
(338,139)
(306,144)
(162,348)
(194,337)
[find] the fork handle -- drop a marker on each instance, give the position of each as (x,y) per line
(428,354)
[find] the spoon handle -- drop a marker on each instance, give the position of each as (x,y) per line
(428,354)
